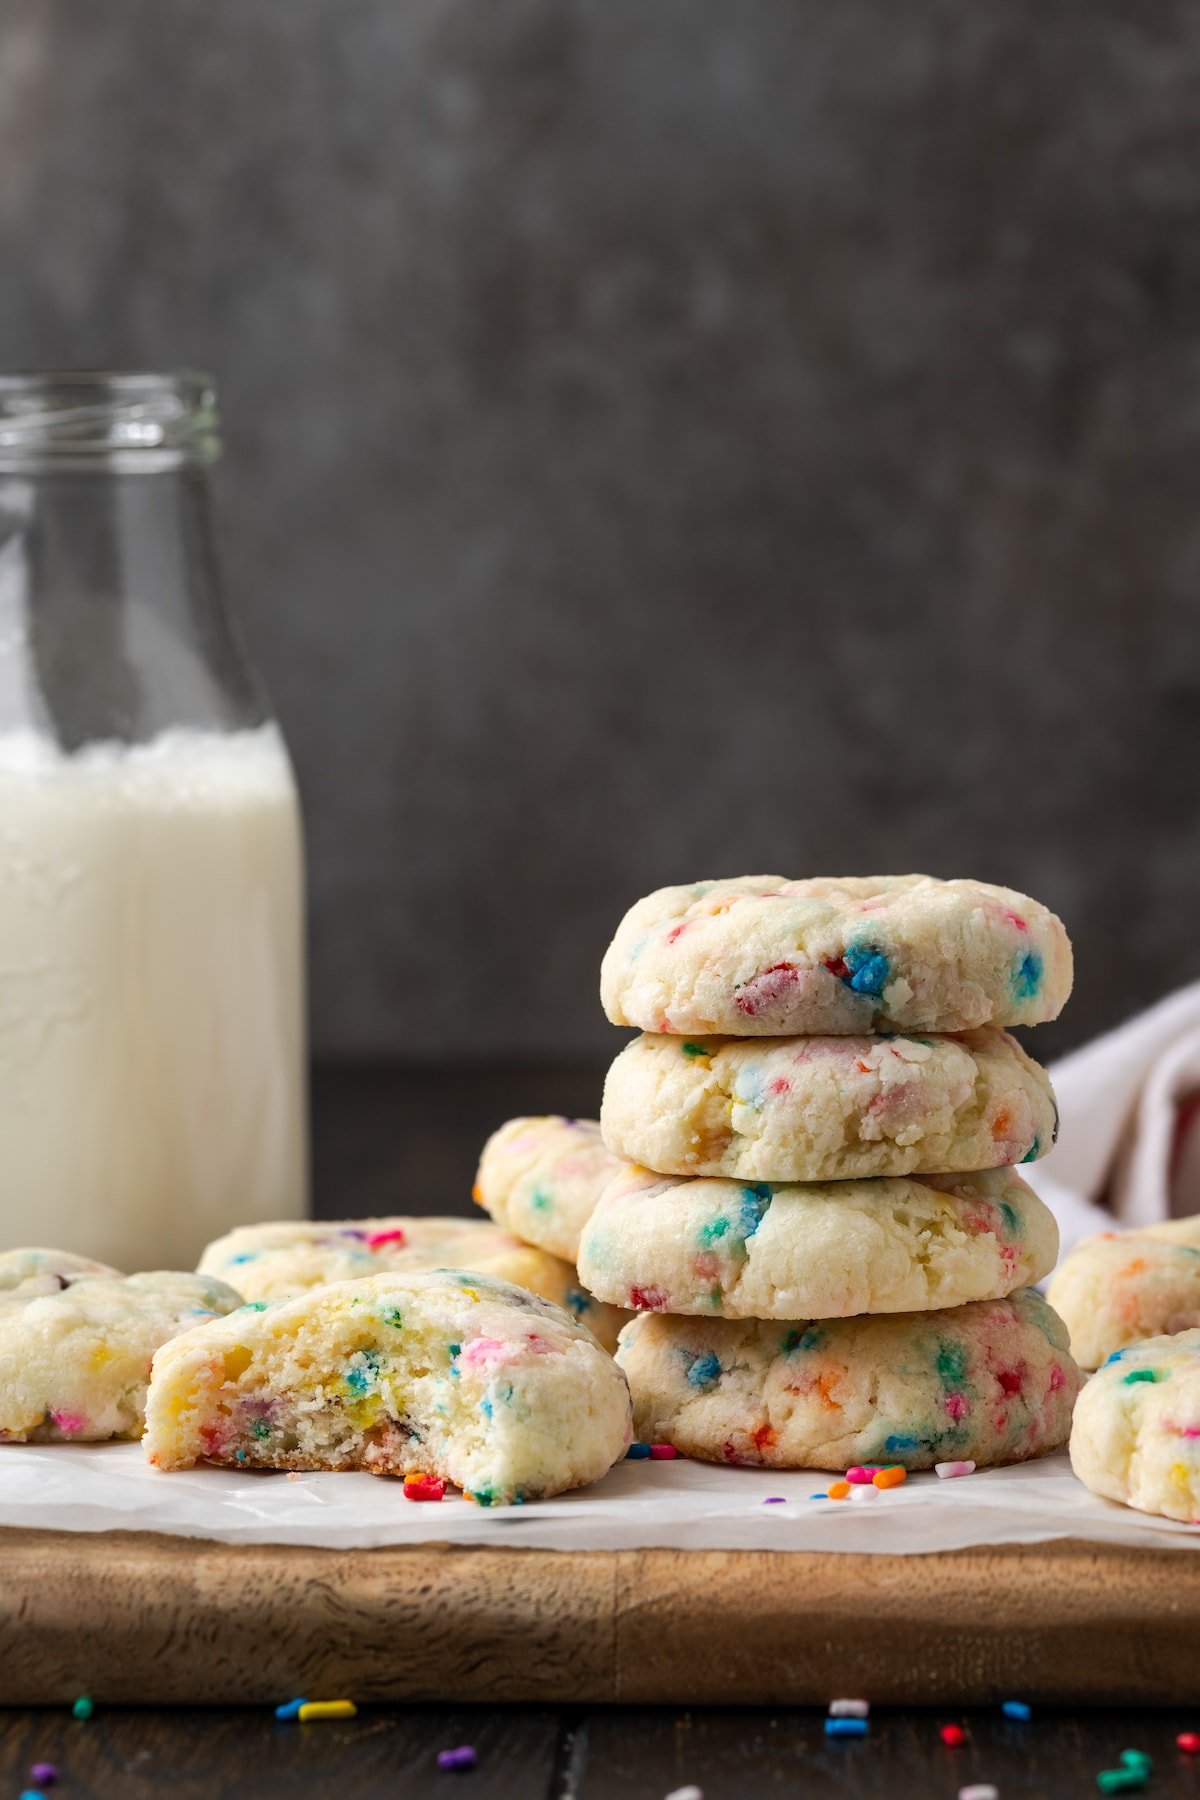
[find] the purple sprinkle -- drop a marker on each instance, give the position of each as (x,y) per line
(462,1758)
(775,1500)
(45,1774)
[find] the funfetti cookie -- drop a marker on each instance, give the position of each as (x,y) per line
(276,1260)
(992,1382)
(827,1108)
(761,1250)
(541,1178)
(75,1361)
(456,1375)
(1120,1288)
(760,956)
(1136,1436)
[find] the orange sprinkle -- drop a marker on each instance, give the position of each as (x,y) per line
(764,1437)
(477,1194)
(838,1490)
(888,1478)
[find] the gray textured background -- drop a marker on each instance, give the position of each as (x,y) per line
(663,440)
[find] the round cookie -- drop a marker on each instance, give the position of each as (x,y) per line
(541,1178)
(817,1250)
(1121,1288)
(827,1108)
(453,1374)
(75,1361)
(763,957)
(275,1261)
(993,1382)
(1136,1436)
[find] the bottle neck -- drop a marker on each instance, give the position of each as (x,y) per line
(112,622)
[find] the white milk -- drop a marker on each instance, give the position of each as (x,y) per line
(151,1034)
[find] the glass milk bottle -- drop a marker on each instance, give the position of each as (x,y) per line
(151,897)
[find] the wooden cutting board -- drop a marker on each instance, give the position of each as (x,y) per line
(133,1617)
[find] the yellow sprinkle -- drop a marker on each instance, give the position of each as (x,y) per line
(327,1709)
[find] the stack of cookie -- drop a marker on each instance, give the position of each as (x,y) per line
(818,1223)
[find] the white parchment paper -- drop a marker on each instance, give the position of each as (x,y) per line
(684,1505)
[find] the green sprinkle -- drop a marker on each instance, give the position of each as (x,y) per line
(260,1429)
(1136,1759)
(1034,1151)
(1121,1781)
(1142,1375)
(391,1315)
(540,1200)
(255,1306)
(812,1339)
(690,1049)
(1012,1217)
(951,1363)
(715,1230)
(82,1708)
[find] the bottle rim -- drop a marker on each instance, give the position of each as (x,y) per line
(114,421)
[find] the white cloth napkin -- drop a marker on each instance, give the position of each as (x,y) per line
(1128,1142)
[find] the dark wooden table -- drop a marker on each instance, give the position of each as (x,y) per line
(406,1142)
(547,1754)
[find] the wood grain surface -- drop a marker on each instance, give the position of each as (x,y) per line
(131,1617)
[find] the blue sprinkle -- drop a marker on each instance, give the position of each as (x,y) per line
(821,1496)
(290,1709)
(364,1367)
(1117,1356)
(869,969)
(246,1256)
(1017,1709)
(1028,976)
(637,1452)
(486,1407)
(901,1441)
(756,1197)
(704,1370)
(846,1727)
(578,1301)
(812,1339)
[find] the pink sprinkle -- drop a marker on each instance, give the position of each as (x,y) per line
(957,1405)
(1057,1378)
(377,1239)
(70,1424)
(948,1469)
(862,1475)
(482,1350)
(1185,1431)
(663,1452)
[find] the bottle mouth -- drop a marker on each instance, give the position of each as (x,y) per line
(120,422)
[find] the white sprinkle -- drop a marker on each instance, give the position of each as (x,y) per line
(946,1470)
(864,1490)
(686,1793)
(849,1709)
(981,1790)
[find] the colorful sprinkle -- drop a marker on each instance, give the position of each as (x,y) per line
(868,970)
(464,1757)
(704,1370)
(1017,1709)
(637,1452)
(663,1453)
(775,1500)
(1189,1742)
(290,1709)
(326,1709)
(1028,976)
(377,1239)
(1136,1759)
(1142,1375)
(1121,1781)
(846,1728)
(889,1478)
(952,1735)
(948,1470)
(849,1709)
(424,1487)
(860,1476)
(45,1774)
(838,1490)
(83,1708)
(690,1049)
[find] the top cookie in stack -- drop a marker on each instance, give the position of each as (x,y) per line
(826,1068)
